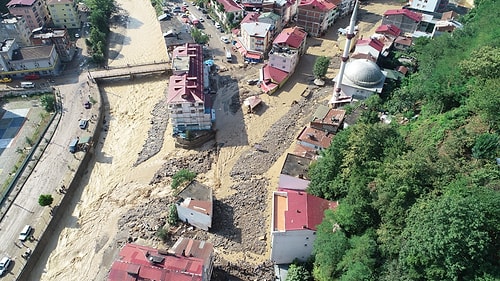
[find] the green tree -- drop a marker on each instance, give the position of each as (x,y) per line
(454,236)
(48,102)
(358,263)
(182,176)
(172,215)
(321,67)
(486,146)
(485,101)
(198,36)
(298,272)
(329,247)
(45,200)
(484,62)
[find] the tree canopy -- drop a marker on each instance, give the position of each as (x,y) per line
(418,198)
(321,66)
(45,200)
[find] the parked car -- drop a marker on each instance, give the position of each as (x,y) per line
(201,19)
(32,77)
(6,80)
(204,11)
(4,265)
(84,123)
(224,39)
(185,4)
(87,105)
(25,233)
(77,35)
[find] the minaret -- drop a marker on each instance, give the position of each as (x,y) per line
(345,55)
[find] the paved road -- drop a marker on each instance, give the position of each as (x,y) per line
(52,171)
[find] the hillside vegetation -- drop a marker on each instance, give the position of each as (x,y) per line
(420,200)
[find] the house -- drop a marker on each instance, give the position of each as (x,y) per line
(316,16)
(188,259)
(255,39)
(189,106)
(430,6)
(402,42)
(33,11)
(292,38)
(64,13)
(327,119)
(65,48)
(252,5)
(274,20)
(195,206)
(12,27)
(294,172)
(18,62)
(388,30)
(295,218)
(362,78)
(445,26)
(314,138)
(251,17)
(371,46)
(403,19)
(227,11)
(272,78)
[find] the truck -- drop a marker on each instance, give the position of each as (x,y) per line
(229,56)
(27,85)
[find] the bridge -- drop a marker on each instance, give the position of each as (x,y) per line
(131,70)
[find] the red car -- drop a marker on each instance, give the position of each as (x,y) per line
(32,77)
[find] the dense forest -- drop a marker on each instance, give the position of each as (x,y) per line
(420,199)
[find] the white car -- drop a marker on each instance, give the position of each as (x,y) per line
(201,19)
(185,4)
(224,39)
(25,233)
(4,265)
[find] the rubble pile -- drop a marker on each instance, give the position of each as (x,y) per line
(200,162)
(156,133)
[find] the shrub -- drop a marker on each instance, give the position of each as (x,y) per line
(181,177)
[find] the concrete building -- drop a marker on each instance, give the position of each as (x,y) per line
(223,8)
(316,16)
(344,6)
(255,39)
(314,138)
(327,119)
(12,27)
(188,259)
(64,13)
(429,5)
(195,206)
(18,62)
(369,46)
(362,78)
(189,106)
(296,215)
(294,173)
(403,19)
(274,20)
(293,38)
(65,48)
(34,11)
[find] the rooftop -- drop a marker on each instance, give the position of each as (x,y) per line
(49,2)
(315,137)
(412,15)
(197,196)
(321,5)
(372,42)
(137,262)
(20,3)
(327,115)
(297,210)
(187,87)
(32,53)
(230,6)
(292,36)
(274,74)
(388,29)
(296,166)
(258,29)
(250,17)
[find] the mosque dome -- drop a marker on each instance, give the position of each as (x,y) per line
(364,73)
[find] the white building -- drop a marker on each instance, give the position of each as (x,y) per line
(362,78)
(18,62)
(195,205)
(255,36)
(428,5)
(296,215)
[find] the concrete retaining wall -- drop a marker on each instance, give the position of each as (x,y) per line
(48,233)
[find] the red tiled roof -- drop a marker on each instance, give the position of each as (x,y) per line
(412,15)
(315,137)
(305,211)
(317,4)
(403,40)
(274,74)
(189,86)
(389,29)
(251,17)
(230,6)
(21,2)
(253,55)
(292,36)
(134,264)
(374,43)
